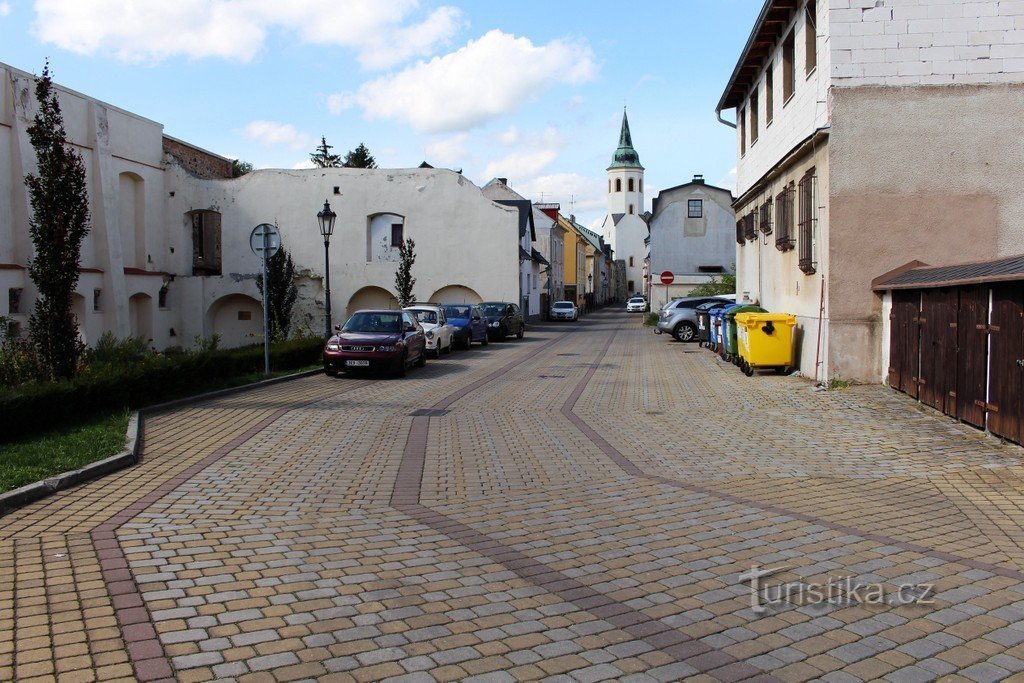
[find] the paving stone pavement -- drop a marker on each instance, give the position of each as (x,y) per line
(582,510)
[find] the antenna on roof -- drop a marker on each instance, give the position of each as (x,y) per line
(572,202)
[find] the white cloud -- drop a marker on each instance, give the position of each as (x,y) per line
(576,193)
(509,136)
(520,165)
(270,133)
(305,163)
(5,9)
(574,102)
(446,151)
(728,181)
(487,78)
(379,32)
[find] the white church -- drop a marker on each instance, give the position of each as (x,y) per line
(624,227)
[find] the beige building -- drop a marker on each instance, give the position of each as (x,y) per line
(870,135)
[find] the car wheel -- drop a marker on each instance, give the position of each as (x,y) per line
(684,332)
(448,349)
(485,341)
(330,373)
(422,360)
(522,331)
(468,342)
(403,365)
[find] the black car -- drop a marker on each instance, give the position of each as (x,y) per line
(503,318)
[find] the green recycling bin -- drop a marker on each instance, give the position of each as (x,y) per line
(732,352)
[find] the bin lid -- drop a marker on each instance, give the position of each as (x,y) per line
(753,318)
(731,312)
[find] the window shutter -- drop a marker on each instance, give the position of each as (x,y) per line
(212,236)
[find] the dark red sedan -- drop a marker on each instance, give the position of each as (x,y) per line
(376,340)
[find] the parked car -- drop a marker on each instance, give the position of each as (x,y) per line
(468,323)
(376,340)
(564,310)
(679,316)
(637,304)
(503,318)
(438,332)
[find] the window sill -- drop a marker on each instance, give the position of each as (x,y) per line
(807,75)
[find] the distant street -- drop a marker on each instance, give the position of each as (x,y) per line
(579,505)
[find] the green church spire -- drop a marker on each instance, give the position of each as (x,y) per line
(625,156)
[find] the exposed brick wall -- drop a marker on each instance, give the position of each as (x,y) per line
(196,161)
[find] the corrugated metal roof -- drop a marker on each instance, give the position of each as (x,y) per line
(923,276)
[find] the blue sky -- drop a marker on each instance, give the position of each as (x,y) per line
(532,91)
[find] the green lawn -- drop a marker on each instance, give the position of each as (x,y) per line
(39,456)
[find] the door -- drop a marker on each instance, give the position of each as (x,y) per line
(937,380)
(1006,369)
(904,353)
(972,354)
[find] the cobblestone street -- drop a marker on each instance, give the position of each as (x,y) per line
(580,506)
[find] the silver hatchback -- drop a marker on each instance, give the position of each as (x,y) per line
(679,316)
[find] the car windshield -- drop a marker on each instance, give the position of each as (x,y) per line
(374,322)
(426,316)
(562,304)
(636,300)
(494,310)
(457,311)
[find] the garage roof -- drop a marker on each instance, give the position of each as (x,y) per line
(917,275)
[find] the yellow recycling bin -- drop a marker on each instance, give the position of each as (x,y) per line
(765,340)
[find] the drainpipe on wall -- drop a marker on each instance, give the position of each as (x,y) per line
(718,115)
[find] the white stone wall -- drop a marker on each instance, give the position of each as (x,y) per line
(680,244)
(926,42)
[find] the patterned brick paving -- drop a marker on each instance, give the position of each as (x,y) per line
(583,511)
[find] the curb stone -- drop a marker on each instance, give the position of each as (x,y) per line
(20,497)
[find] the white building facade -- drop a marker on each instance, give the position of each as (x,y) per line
(870,135)
(692,237)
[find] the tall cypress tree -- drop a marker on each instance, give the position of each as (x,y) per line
(59,224)
(404,281)
(281,293)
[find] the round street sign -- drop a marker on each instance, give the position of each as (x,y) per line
(667,277)
(265,236)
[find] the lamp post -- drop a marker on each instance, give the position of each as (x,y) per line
(325,218)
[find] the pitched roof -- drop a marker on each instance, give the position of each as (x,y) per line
(625,156)
(917,275)
(539,258)
(773,19)
(525,207)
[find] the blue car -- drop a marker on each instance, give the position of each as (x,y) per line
(469,323)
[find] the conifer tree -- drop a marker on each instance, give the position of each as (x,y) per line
(360,157)
(404,281)
(322,157)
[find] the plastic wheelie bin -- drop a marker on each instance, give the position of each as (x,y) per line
(765,340)
(715,317)
(732,353)
(704,321)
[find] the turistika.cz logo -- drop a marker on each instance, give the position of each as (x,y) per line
(836,592)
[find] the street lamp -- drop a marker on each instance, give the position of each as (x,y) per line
(325,218)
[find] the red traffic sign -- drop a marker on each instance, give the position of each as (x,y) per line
(667,277)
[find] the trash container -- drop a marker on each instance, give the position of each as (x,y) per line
(729,330)
(715,334)
(765,340)
(704,321)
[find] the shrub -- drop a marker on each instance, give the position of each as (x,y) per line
(152,379)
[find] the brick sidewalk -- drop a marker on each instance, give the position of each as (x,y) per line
(582,511)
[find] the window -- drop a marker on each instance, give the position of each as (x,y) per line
(640,184)
(766,217)
(396,234)
(711,269)
(739,232)
(629,285)
(161,297)
(769,94)
(805,239)
(694,208)
(631,208)
(245,315)
(784,219)
(630,261)
(742,118)
(630,184)
(609,185)
(753,116)
(206,253)
(618,184)
(750,225)
(788,67)
(810,36)
(14,300)
(96,298)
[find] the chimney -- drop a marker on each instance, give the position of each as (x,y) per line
(503,181)
(698,178)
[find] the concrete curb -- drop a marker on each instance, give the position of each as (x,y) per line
(20,497)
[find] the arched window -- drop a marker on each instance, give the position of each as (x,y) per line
(629,184)
(641,181)
(618,184)
(609,184)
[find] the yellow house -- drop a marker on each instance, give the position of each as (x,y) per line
(575,261)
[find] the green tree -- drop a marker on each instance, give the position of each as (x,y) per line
(322,157)
(404,281)
(239,168)
(59,223)
(360,157)
(726,284)
(281,294)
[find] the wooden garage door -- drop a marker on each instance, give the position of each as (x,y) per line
(1006,371)
(903,341)
(972,354)
(937,380)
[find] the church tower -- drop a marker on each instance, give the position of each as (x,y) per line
(623,227)
(625,176)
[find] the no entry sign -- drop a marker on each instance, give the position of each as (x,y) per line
(667,277)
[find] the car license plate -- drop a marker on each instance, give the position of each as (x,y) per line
(357,363)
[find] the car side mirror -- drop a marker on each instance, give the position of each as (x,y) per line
(337,328)
(475,318)
(410,328)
